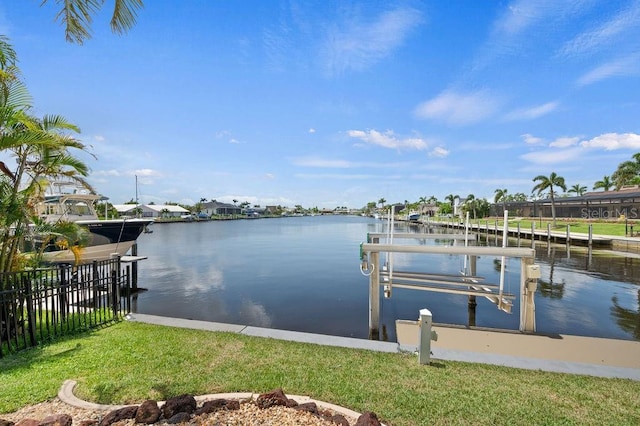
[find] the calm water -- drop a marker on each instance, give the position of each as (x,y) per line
(302,274)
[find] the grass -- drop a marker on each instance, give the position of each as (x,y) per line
(602,227)
(129,362)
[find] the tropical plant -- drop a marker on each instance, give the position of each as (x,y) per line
(451,199)
(470,204)
(501,195)
(627,173)
(578,189)
(381,201)
(549,182)
(40,148)
(606,183)
(77,16)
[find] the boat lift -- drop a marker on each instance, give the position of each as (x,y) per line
(383,275)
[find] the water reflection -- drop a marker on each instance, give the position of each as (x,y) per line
(303,274)
(628,319)
(547,287)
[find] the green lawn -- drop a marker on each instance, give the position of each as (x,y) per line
(129,362)
(616,228)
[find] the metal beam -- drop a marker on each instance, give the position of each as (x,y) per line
(473,250)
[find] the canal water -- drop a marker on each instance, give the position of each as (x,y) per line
(303,274)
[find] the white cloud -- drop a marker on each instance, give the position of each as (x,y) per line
(564,142)
(613,141)
(312,130)
(321,162)
(357,45)
(554,156)
(439,152)
(532,112)
(628,66)
(112,172)
(146,172)
(456,108)
(388,139)
(532,140)
(607,33)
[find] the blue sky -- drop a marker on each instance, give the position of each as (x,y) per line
(339,103)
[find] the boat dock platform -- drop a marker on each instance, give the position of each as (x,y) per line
(566,237)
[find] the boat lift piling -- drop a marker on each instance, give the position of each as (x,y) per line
(370,255)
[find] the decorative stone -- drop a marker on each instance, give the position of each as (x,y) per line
(311,407)
(120,414)
(148,412)
(211,406)
(338,419)
(368,418)
(28,422)
(179,404)
(270,399)
(57,420)
(181,417)
(4,422)
(88,423)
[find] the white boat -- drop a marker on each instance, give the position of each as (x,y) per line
(107,238)
(413,217)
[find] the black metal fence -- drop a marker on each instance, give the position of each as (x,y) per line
(41,305)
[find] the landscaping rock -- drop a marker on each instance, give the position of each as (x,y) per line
(120,414)
(179,404)
(338,419)
(270,399)
(181,417)
(57,420)
(307,406)
(6,423)
(148,412)
(368,419)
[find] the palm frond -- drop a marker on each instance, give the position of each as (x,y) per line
(124,15)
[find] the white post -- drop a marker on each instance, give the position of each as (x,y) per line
(426,335)
(374,296)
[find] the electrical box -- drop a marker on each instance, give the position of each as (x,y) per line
(533,272)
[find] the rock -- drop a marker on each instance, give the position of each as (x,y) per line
(368,418)
(57,420)
(218,404)
(311,407)
(181,417)
(4,422)
(211,406)
(28,422)
(270,399)
(120,414)
(338,419)
(232,405)
(88,423)
(148,412)
(179,404)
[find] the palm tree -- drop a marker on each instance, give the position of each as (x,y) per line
(470,203)
(549,182)
(627,173)
(381,201)
(501,195)
(605,183)
(451,198)
(578,189)
(77,16)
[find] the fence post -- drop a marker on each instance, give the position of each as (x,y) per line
(31,317)
(62,292)
(114,286)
